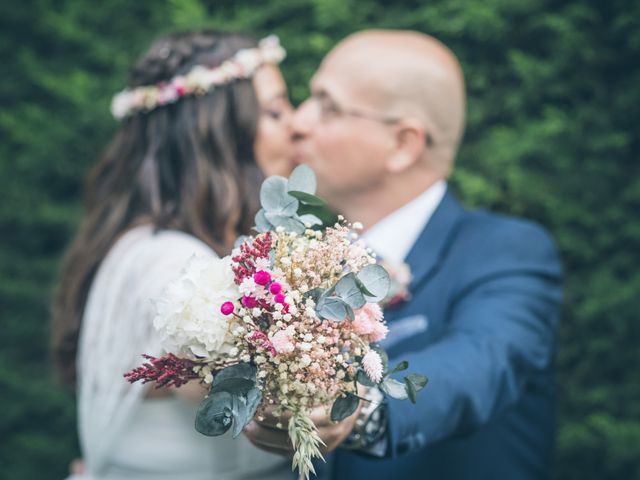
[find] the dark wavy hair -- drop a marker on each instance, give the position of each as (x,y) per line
(186,166)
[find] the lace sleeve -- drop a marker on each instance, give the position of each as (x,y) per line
(118,328)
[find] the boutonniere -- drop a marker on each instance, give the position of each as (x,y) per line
(400,277)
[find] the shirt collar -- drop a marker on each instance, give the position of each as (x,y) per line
(393,236)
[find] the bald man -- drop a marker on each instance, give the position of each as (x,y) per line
(381,130)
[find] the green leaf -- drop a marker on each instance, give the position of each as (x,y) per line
(332,308)
(410,389)
(363,379)
(326,215)
(307,198)
(344,406)
(240,376)
(420,381)
(214,416)
(376,280)
(302,179)
(400,367)
(315,294)
(394,388)
(232,400)
(244,408)
(348,290)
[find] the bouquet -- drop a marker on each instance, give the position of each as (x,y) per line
(290,319)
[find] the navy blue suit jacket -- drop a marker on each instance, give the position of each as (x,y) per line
(481,324)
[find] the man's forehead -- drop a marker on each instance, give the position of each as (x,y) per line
(337,82)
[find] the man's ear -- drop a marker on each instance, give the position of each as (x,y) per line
(410,147)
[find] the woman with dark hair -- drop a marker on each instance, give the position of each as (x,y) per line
(205,116)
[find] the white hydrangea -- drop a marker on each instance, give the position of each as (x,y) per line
(188,313)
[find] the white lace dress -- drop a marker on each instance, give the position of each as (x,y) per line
(123,435)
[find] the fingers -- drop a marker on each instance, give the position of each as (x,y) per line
(273,440)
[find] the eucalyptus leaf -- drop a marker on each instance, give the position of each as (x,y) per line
(347,289)
(332,308)
(350,313)
(307,198)
(244,408)
(214,416)
(232,400)
(241,370)
(309,219)
(394,388)
(363,289)
(289,223)
(344,406)
(273,192)
(262,224)
(315,294)
(302,179)
(376,280)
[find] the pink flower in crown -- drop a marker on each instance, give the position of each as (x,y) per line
(281,342)
(180,85)
(367,319)
(372,364)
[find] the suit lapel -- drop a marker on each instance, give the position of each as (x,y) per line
(432,244)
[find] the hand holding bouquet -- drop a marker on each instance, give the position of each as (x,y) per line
(288,321)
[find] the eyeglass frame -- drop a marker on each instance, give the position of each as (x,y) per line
(338,111)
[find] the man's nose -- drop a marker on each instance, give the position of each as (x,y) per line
(302,121)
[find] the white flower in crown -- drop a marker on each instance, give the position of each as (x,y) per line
(120,104)
(199,80)
(189,316)
(249,60)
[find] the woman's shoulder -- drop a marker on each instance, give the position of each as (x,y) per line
(145,252)
(146,241)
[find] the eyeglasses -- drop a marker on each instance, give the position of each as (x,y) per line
(330,110)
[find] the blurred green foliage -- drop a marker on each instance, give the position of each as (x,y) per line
(553,115)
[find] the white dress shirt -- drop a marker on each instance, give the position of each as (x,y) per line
(393,236)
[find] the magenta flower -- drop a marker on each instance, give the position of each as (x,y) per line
(249,301)
(279,298)
(275,288)
(227,308)
(262,277)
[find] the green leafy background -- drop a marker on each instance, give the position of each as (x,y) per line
(553,115)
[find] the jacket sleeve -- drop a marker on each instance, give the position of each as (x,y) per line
(500,330)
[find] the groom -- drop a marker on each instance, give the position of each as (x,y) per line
(381,130)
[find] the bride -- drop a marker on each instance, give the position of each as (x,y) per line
(204,117)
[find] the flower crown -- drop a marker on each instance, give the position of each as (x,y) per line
(199,80)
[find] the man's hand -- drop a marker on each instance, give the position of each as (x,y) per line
(267,435)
